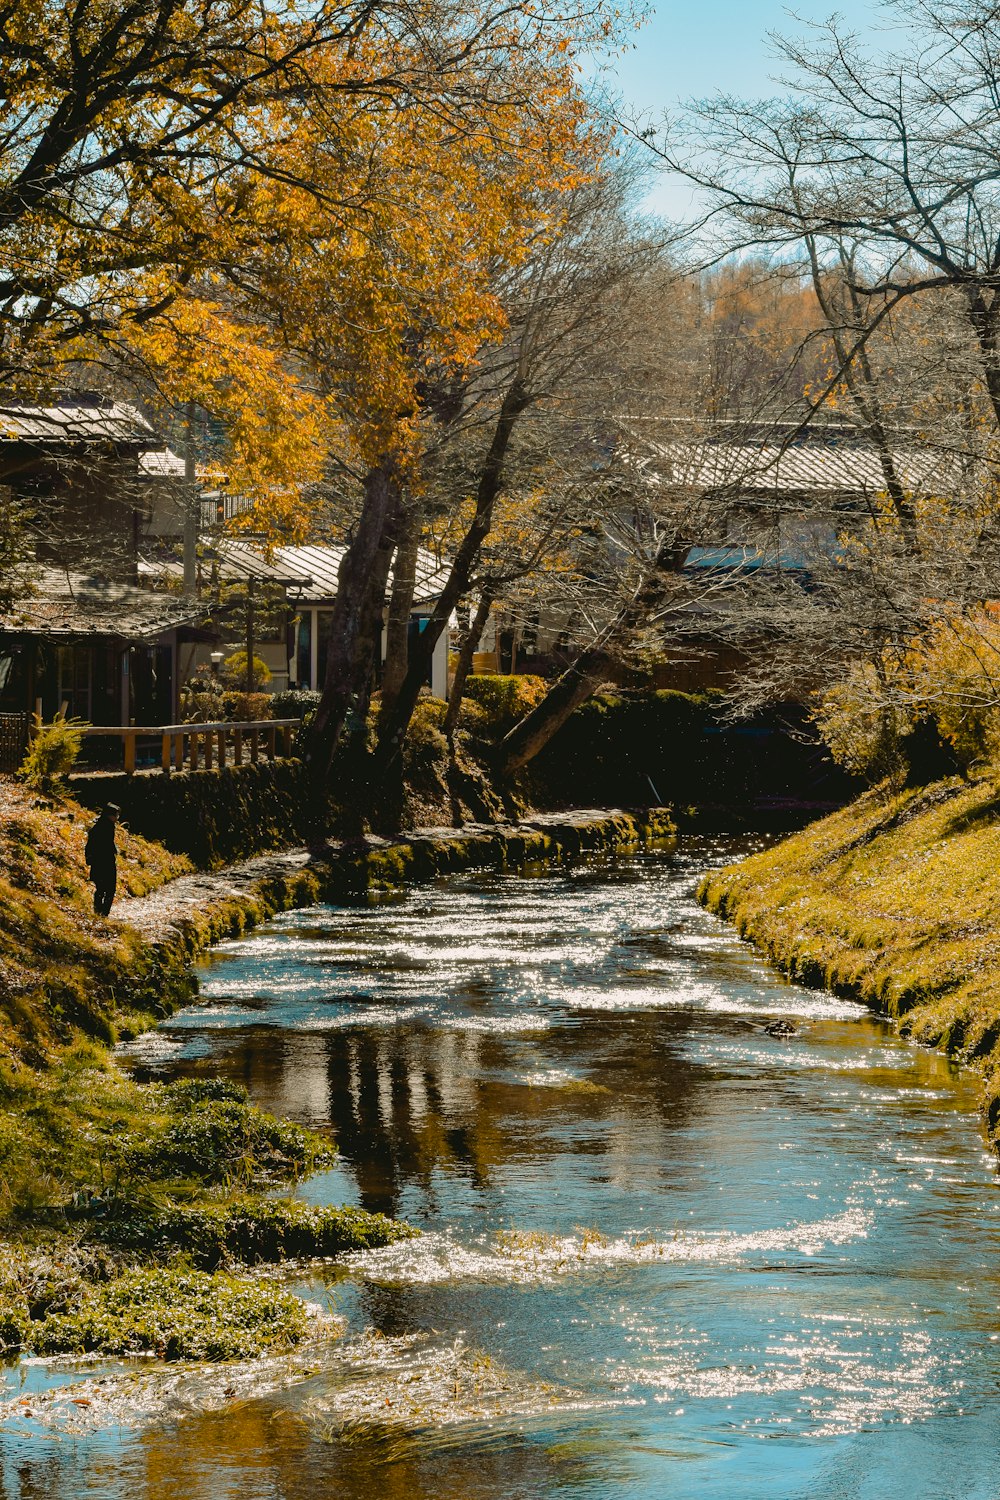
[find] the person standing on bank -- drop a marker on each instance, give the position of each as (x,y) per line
(101,855)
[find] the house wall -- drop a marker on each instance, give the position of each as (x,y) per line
(89,505)
(308,663)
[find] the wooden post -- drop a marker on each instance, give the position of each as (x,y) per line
(130,753)
(166,752)
(254,745)
(250,684)
(209,758)
(222,747)
(272,736)
(179,751)
(238,744)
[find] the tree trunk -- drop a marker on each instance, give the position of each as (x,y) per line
(984,318)
(534,731)
(392,729)
(357,618)
(404,583)
(463,666)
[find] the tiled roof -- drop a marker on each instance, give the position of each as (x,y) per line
(162,464)
(829,468)
(76,605)
(69,423)
(314,569)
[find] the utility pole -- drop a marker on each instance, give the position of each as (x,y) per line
(192,507)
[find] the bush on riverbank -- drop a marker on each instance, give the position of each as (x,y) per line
(98,1171)
(251,1230)
(893,901)
(82,1134)
(175,1314)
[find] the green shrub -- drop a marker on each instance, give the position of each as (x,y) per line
(201,708)
(252,1230)
(862,730)
(219,1136)
(473,718)
(247,707)
(53,752)
(425,741)
(233,672)
(505,699)
(294,703)
(177,1315)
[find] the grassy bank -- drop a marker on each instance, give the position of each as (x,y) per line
(131,1215)
(894,901)
(63,971)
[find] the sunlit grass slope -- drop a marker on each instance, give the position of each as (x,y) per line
(894,901)
(63,971)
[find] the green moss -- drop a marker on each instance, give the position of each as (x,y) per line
(176,1314)
(63,971)
(250,1230)
(212,1133)
(82,1134)
(893,901)
(98,1171)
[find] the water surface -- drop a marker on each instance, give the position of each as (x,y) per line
(666,1252)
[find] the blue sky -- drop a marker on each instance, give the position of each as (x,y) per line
(693,50)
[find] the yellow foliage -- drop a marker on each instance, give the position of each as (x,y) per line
(302,260)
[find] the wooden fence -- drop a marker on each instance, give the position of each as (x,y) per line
(188,746)
(13,740)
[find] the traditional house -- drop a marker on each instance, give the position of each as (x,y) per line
(86,636)
(767,511)
(772,501)
(308,574)
(104,628)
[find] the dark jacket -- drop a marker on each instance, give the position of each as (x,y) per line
(100,851)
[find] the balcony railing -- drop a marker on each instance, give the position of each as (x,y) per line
(190,746)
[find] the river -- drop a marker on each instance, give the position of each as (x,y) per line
(665,1253)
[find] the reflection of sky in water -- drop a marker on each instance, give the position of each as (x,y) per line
(673,1233)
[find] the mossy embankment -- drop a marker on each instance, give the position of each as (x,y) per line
(894,901)
(129,1213)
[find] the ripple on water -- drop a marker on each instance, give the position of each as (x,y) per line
(833,1272)
(530,1256)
